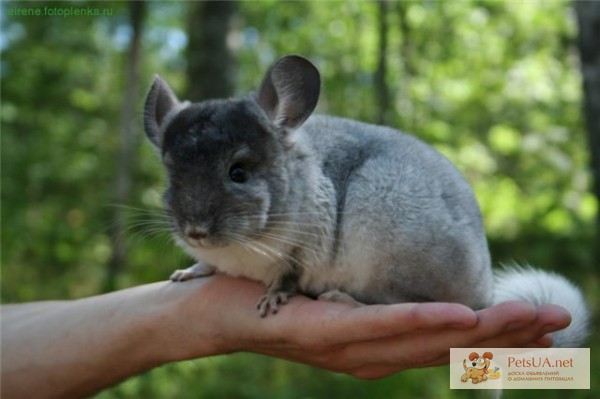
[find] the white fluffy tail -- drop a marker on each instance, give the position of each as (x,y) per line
(540,287)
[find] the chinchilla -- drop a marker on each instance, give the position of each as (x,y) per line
(320,205)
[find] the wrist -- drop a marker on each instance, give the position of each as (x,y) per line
(211,316)
(185,321)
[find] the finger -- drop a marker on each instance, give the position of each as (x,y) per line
(553,317)
(381,321)
(545,341)
(440,360)
(335,335)
(422,347)
(427,346)
(496,320)
(326,323)
(550,318)
(492,322)
(519,333)
(409,350)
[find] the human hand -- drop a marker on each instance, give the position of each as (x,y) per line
(367,341)
(129,331)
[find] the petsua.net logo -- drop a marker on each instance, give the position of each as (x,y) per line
(519,368)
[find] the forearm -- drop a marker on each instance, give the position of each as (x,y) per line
(74,348)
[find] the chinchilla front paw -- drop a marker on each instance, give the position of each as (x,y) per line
(195,271)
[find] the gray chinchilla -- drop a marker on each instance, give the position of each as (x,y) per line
(323,206)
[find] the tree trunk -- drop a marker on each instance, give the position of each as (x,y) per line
(381,88)
(409,114)
(211,66)
(127,145)
(588,18)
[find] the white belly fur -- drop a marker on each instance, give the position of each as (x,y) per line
(241,261)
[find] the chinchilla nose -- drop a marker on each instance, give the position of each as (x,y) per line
(196,233)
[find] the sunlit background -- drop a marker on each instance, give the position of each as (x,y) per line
(495,86)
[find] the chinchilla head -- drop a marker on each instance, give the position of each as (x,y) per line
(230,163)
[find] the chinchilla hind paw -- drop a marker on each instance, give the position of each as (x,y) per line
(269,303)
(339,297)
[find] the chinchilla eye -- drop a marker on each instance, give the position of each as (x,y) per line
(238,174)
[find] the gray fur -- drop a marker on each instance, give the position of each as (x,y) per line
(328,204)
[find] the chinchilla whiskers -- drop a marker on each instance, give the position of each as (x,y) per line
(137,209)
(284,227)
(156,232)
(136,223)
(265,250)
(270,252)
(289,216)
(302,231)
(132,213)
(315,214)
(148,223)
(272,234)
(284,240)
(159,240)
(300,219)
(149,228)
(291,243)
(298,234)
(285,257)
(150,232)
(286,222)
(307,224)
(129,227)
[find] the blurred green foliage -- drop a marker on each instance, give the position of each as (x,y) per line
(495,86)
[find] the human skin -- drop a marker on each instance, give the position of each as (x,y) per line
(77,347)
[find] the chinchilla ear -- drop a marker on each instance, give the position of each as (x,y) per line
(289,91)
(160,103)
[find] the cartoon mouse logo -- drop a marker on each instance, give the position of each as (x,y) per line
(480,368)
